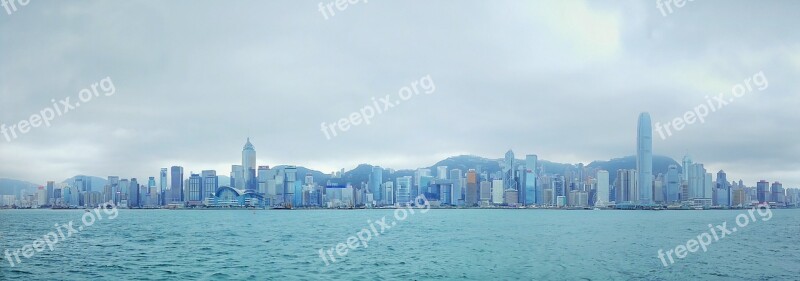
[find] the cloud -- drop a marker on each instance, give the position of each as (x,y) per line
(564,79)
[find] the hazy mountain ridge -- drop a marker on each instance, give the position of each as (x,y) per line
(362,172)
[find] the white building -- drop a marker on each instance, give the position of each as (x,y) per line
(497,192)
(602,189)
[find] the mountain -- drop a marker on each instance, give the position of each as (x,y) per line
(97,182)
(362,172)
(13,187)
(660,165)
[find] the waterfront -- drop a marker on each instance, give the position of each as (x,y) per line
(439,244)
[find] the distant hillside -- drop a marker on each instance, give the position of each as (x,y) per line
(13,187)
(660,165)
(97,182)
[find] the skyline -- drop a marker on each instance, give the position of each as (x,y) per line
(291,69)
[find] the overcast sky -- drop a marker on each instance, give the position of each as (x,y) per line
(564,80)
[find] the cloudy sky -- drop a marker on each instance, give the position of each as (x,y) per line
(562,79)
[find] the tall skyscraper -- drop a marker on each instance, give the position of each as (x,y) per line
(762,191)
(687,163)
(403,190)
(531,192)
(133,194)
(249,166)
(602,188)
(375,181)
(471,196)
(497,192)
(644,158)
(195,193)
(627,188)
(441,172)
(508,171)
(457,193)
(290,178)
(723,197)
(176,188)
(50,187)
(673,185)
(237,177)
(697,182)
(163,187)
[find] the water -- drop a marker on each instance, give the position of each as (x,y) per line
(439,244)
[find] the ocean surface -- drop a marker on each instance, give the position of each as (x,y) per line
(436,245)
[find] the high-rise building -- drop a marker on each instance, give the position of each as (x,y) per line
(778,193)
(627,187)
(471,195)
(644,158)
(237,177)
(290,178)
(49,189)
(133,194)
(388,193)
(403,190)
(485,193)
(508,171)
(441,172)
(176,188)
(762,189)
(531,193)
(602,188)
(673,185)
(687,164)
(723,197)
(375,181)
(497,192)
(697,182)
(249,166)
(263,176)
(457,193)
(195,194)
(163,187)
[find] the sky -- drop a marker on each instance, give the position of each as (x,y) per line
(565,80)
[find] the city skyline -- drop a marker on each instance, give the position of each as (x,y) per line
(155,117)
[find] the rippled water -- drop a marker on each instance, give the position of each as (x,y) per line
(439,244)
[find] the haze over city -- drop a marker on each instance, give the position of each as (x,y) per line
(565,81)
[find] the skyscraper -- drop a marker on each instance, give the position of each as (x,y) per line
(531,193)
(457,194)
(249,166)
(133,194)
(602,188)
(441,172)
(762,191)
(194,197)
(403,190)
(471,196)
(627,186)
(163,186)
(723,189)
(375,181)
(644,158)
(237,177)
(673,185)
(176,188)
(508,171)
